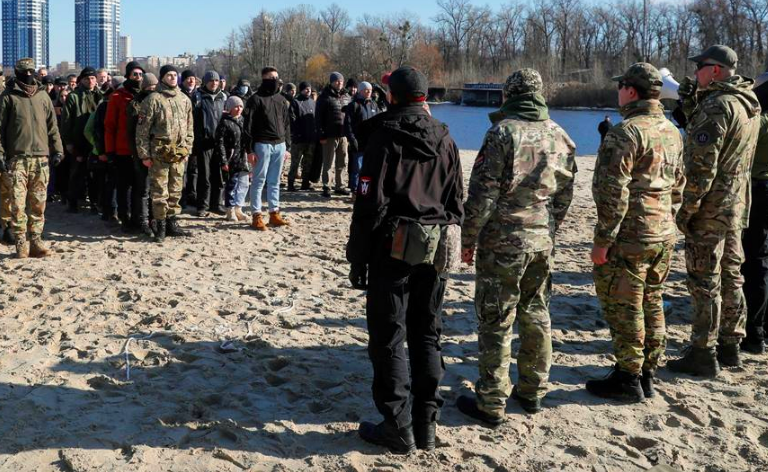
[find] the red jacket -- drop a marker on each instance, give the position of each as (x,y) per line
(116,123)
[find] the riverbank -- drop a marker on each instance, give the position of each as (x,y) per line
(254,358)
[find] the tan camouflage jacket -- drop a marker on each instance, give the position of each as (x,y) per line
(521,184)
(638,177)
(165,129)
(719,149)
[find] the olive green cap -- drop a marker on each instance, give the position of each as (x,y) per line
(718,54)
(641,75)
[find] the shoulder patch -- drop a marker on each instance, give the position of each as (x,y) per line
(702,137)
(480,160)
(142,118)
(364,186)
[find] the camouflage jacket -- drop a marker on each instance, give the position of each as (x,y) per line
(165,130)
(719,148)
(638,177)
(522,181)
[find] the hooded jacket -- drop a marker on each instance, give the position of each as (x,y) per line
(329,113)
(27,124)
(209,106)
(267,119)
(231,148)
(411,171)
(721,137)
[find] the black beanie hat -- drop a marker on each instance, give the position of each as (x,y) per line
(167,68)
(87,72)
(131,66)
(48,80)
(351,83)
(187,74)
(408,85)
(304,86)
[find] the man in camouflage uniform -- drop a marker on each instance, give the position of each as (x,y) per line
(164,139)
(519,193)
(719,148)
(638,177)
(28,135)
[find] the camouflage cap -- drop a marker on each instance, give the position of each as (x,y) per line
(718,54)
(26,63)
(641,75)
(523,81)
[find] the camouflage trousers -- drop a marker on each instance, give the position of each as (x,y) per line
(512,286)
(27,179)
(630,287)
(715,282)
(5,202)
(166,181)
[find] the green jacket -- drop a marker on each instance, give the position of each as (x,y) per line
(760,166)
(78,108)
(28,124)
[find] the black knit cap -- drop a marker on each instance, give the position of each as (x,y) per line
(60,81)
(408,85)
(47,80)
(167,68)
(131,66)
(304,86)
(87,72)
(351,83)
(187,74)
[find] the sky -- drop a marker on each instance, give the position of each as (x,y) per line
(172,27)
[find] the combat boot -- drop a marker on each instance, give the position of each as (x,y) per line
(173,229)
(530,406)
(275,220)
(146,229)
(37,248)
(387,434)
(468,406)
(291,186)
(424,433)
(618,385)
(696,361)
(646,382)
(753,346)
(258,222)
(159,230)
(240,215)
(8,237)
(306,185)
(728,355)
(326,192)
(22,248)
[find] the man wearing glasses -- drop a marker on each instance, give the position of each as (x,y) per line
(723,125)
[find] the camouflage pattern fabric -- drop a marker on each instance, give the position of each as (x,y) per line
(28,180)
(165,128)
(638,177)
(629,287)
(24,64)
(166,180)
(523,81)
(512,286)
(713,261)
(5,202)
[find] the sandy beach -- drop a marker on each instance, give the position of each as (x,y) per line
(248,352)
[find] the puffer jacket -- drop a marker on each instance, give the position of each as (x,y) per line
(231,148)
(329,113)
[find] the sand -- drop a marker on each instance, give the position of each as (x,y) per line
(250,354)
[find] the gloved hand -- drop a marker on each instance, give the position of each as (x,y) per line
(687,88)
(358,275)
(56,159)
(3,168)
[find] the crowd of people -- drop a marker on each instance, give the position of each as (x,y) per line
(125,148)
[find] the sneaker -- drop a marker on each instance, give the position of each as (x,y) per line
(618,385)
(397,440)
(468,405)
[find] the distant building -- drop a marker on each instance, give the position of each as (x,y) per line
(97,33)
(124,49)
(25,31)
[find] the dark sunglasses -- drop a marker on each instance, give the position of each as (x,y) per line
(622,84)
(702,65)
(137,74)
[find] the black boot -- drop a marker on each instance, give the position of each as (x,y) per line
(468,406)
(424,433)
(291,187)
(305,185)
(646,382)
(531,406)
(159,230)
(173,228)
(753,346)
(728,355)
(387,434)
(696,361)
(326,192)
(341,191)
(8,237)
(146,229)
(618,385)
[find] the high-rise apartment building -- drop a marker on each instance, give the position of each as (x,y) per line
(97,33)
(25,31)
(124,51)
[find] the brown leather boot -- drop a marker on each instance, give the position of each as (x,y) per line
(258,222)
(22,248)
(37,248)
(276,220)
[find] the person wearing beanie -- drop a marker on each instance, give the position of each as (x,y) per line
(303,137)
(205,181)
(164,140)
(351,87)
(224,86)
(268,122)
(289,92)
(329,123)
(133,70)
(232,154)
(359,110)
(28,136)
(411,183)
(80,104)
(189,85)
(102,185)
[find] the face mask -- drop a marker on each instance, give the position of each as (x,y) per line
(270,86)
(24,78)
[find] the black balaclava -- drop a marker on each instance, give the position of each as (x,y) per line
(269,86)
(25,77)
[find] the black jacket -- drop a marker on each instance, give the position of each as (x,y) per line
(329,113)
(230,144)
(303,119)
(208,108)
(411,171)
(267,119)
(604,127)
(357,112)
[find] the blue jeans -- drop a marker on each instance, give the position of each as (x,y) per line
(355,166)
(268,168)
(237,189)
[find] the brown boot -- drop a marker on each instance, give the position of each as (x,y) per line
(22,248)
(37,248)
(258,223)
(276,220)
(240,215)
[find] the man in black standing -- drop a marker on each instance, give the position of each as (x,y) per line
(410,191)
(604,127)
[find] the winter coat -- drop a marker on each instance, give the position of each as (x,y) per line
(207,112)
(231,147)
(303,119)
(78,108)
(116,123)
(132,112)
(27,124)
(267,119)
(357,112)
(329,113)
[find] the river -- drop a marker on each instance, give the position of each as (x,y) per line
(469,124)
